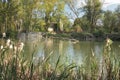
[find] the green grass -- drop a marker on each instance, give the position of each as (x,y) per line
(13,66)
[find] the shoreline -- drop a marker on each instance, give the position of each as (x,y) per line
(74,36)
(83,37)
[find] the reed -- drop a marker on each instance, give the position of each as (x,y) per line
(14,66)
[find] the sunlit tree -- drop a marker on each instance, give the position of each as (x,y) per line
(92,11)
(8,14)
(52,10)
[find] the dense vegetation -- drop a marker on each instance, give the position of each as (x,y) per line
(37,15)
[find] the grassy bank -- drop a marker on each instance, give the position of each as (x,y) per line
(14,66)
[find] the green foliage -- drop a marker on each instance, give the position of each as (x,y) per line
(92,12)
(37,15)
(99,33)
(52,10)
(77,21)
(28,14)
(82,35)
(33,15)
(8,15)
(110,20)
(12,34)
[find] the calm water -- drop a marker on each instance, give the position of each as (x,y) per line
(70,51)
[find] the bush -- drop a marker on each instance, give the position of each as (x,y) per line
(98,33)
(11,34)
(82,36)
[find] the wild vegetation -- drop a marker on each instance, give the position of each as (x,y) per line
(15,66)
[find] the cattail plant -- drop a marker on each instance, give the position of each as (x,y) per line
(14,66)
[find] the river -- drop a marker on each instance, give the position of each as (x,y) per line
(70,51)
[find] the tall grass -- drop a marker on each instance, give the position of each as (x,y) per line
(13,66)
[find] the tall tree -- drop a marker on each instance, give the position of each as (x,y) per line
(74,9)
(117,12)
(8,14)
(27,13)
(92,11)
(52,10)
(74,13)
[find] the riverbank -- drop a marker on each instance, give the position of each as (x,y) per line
(85,36)
(67,36)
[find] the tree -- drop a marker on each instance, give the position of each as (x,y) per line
(66,23)
(27,14)
(110,21)
(77,25)
(8,14)
(74,13)
(52,10)
(117,13)
(73,8)
(92,11)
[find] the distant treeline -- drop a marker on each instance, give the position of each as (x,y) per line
(37,15)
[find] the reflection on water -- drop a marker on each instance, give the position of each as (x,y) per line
(71,52)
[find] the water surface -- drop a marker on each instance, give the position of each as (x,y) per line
(69,50)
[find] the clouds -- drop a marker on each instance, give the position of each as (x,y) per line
(80,3)
(110,2)
(106,3)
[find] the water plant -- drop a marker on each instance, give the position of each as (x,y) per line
(14,66)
